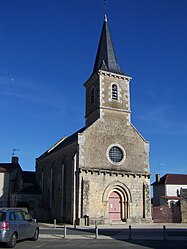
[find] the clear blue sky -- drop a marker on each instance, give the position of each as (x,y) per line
(47,52)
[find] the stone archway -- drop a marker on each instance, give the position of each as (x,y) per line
(118,197)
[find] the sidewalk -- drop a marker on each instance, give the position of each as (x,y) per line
(151,231)
(123,225)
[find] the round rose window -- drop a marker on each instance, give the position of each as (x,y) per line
(115,154)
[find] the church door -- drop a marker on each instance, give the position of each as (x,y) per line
(114,206)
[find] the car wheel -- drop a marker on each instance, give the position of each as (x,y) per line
(36,235)
(12,241)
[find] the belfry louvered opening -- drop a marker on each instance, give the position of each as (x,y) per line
(114,92)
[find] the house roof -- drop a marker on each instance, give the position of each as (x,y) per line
(106,57)
(170,197)
(179,179)
(7,167)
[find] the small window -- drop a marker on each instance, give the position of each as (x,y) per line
(27,216)
(19,215)
(12,216)
(114,92)
(115,154)
(2,216)
(92,95)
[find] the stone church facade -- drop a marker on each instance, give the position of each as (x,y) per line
(100,172)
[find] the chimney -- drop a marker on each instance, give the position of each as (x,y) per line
(15,160)
(157,177)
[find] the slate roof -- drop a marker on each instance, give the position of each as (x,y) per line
(63,143)
(7,167)
(179,179)
(106,57)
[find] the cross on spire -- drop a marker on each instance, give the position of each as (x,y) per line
(105,7)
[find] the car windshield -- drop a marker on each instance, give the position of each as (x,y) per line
(2,216)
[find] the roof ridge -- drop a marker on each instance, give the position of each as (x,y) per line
(170,178)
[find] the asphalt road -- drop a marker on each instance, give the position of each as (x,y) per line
(99,244)
(108,238)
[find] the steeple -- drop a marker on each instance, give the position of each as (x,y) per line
(107,89)
(106,58)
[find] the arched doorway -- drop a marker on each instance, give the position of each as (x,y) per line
(119,194)
(115,206)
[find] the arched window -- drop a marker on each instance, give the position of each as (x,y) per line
(115,92)
(92,96)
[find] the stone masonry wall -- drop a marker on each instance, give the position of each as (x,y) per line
(101,135)
(99,185)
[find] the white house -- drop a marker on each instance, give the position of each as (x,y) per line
(166,190)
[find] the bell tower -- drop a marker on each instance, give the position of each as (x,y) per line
(107,89)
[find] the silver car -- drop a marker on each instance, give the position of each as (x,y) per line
(16,224)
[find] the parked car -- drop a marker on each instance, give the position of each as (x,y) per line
(17,224)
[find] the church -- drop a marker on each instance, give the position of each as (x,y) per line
(101,172)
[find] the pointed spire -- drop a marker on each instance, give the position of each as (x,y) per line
(106,58)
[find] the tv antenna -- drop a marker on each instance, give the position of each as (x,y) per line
(13,151)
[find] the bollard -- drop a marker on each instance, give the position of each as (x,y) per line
(54,223)
(130,233)
(96,230)
(75,224)
(164,233)
(65,231)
